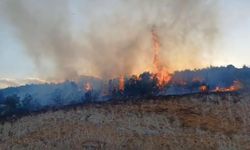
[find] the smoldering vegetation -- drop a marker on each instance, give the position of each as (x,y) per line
(66,39)
(29,98)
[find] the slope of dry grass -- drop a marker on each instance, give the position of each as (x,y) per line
(215,121)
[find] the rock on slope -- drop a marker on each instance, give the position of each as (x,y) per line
(214,121)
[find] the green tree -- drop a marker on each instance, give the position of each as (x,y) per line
(12,102)
(27,102)
(11,105)
(1,97)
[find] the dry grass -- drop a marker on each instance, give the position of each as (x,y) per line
(188,122)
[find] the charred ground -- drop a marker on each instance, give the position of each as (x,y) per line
(115,101)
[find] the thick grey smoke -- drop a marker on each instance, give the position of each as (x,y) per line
(44,29)
(115,37)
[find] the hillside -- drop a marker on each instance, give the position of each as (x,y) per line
(199,121)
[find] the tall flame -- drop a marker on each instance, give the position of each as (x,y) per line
(156,49)
(121,83)
(161,72)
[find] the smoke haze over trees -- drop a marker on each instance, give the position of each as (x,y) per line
(35,97)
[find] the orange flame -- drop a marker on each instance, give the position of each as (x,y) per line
(161,72)
(121,83)
(233,88)
(203,88)
(88,87)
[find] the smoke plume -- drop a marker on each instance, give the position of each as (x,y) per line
(112,38)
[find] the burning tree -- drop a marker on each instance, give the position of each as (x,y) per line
(160,71)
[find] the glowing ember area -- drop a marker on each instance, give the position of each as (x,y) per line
(88,87)
(161,72)
(233,88)
(203,88)
(121,83)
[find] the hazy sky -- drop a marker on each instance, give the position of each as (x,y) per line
(234,46)
(231,47)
